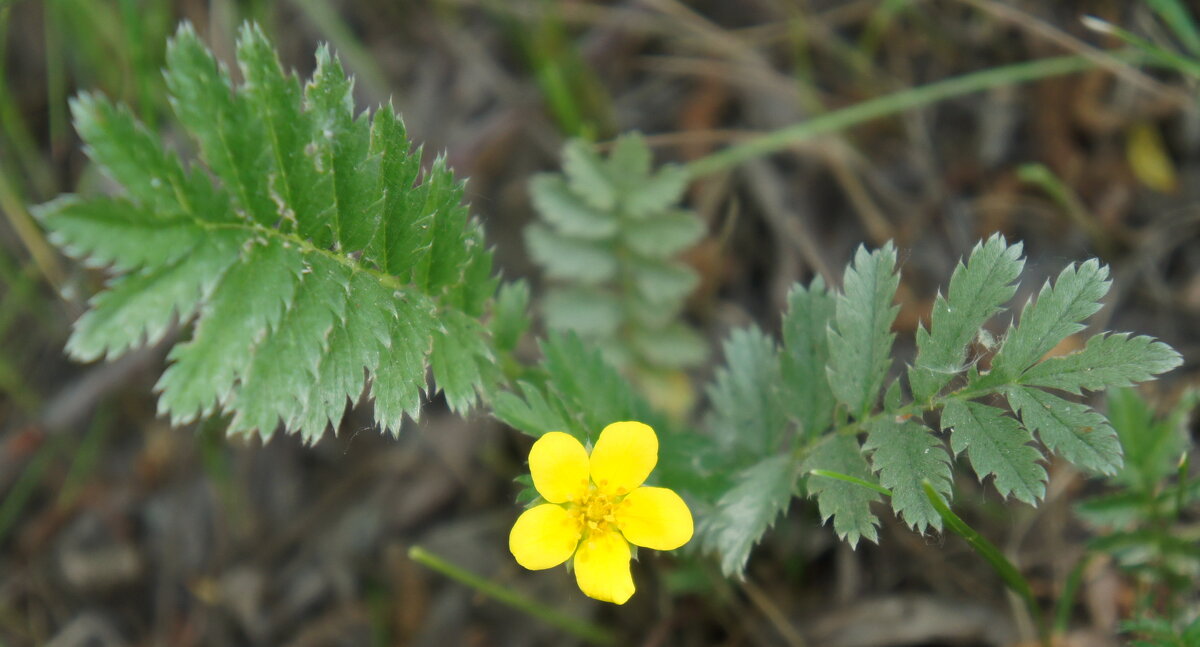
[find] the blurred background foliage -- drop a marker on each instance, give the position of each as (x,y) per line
(116,529)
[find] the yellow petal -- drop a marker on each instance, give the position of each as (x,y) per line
(559,466)
(654,517)
(543,537)
(623,457)
(602,568)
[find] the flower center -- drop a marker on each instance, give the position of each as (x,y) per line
(594,511)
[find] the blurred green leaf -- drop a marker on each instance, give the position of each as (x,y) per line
(743,514)
(748,416)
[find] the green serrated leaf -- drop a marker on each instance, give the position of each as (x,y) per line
(114,232)
(860,339)
(301,194)
(315,267)
(341,149)
(285,362)
(1056,313)
(744,513)
(246,305)
(1069,429)
(400,377)
(748,413)
(134,157)
(355,344)
(906,454)
(138,309)
(458,348)
(1107,360)
(847,503)
(405,233)
(228,131)
(997,445)
(808,397)
(978,290)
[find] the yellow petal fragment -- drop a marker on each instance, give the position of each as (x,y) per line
(623,457)
(602,568)
(543,537)
(655,517)
(559,466)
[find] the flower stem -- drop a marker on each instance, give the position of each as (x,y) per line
(992,555)
(581,629)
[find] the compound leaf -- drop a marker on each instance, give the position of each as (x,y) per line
(317,265)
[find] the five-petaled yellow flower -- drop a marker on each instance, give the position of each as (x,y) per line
(596,507)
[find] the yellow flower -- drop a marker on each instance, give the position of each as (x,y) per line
(596,507)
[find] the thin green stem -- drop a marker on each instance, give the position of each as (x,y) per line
(852,479)
(579,628)
(892,104)
(992,555)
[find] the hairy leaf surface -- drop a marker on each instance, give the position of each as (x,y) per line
(1069,429)
(906,454)
(1108,360)
(860,340)
(978,290)
(997,445)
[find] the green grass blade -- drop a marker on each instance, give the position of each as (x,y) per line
(892,104)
